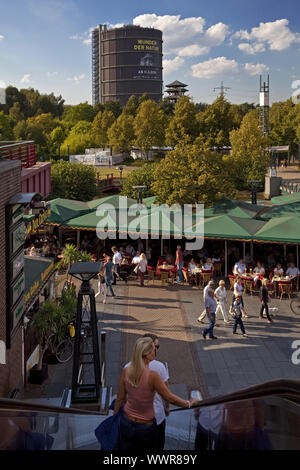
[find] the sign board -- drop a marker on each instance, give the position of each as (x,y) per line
(17,288)
(17,265)
(33,359)
(17,238)
(17,213)
(33,225)
(18,311)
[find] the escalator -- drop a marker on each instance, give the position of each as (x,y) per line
(263,417)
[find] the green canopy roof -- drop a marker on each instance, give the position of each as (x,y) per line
(225,227)
(149,200)
(283,210)
(64,209)
(90,221)
(286,198)
(280,229)
(114,200)
(234,208)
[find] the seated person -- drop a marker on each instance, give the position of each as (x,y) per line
(208,266)
(292,270)
(135,261)
(259,269)
(130,250)
(191,265)
(85,243)
(216,259)
(239,267)
(278,271)
(46,249)
(248,259)
(32,251)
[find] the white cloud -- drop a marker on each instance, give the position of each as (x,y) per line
(184,36)
(276,34)
(51,74)
(1,37)
(251,49)
(76,79)
(256,69)
(193,50)
(170,65)
(214,67)
(26,78)
(85,38)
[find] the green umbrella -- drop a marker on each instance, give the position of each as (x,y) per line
(64,209)
(281,230)
(234,208)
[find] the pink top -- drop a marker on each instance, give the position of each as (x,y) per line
(179,256)
(139,403)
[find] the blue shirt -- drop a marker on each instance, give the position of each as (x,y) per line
(211,304)
(108,269)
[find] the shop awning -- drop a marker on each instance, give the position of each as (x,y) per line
(283,210)
(280,230)
(38,271)
(235,208)
(65,209)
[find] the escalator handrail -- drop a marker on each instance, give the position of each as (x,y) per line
(287,389)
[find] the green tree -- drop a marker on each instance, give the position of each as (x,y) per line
(73,181)
(80,112)
(140,177)
(149,126)
(102,122)
(183,125)
(80,138)
(131,105)
(284,121)
(188,175)
(6,129)
(249,157)
(114,106)
(167,106)
(57,137)
(121,133)
(15,113)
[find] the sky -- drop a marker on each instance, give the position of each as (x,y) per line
(45,44)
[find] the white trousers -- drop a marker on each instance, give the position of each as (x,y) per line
(221,306)
(102,290)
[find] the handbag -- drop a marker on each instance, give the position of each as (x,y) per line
(107,433)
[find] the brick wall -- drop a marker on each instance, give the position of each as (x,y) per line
(11,372)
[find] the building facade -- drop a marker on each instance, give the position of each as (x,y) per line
(126,61)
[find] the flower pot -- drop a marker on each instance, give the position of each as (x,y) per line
(37,376)
(51,359)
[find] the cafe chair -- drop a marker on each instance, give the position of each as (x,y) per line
(205,278)
(271,289)
(285,288)
(248,285)
(218,269)
(232,281)
(152,274)
(164,277)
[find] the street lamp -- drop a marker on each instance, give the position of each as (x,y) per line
(254,184)
(120,168)
(139,190)
(86,378)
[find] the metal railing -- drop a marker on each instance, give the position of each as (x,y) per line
(290,186)
(24,151)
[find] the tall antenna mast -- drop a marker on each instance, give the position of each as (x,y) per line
(223,89)
(264,94)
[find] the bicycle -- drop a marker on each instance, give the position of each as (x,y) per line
(65,349)
(295,306)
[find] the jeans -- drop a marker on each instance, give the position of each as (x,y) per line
(210,329)
(135,436)
(264,306)
(238,321)
(180,275)
(108,284)
(160,435)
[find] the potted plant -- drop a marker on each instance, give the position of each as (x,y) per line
(45,324)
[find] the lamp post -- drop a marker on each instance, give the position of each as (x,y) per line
(86,378)
(120,168)
(254,184)
(140,190)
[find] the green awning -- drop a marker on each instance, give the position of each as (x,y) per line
(226,227)
(233,208)
(37,272)
(89,221)
(64,209)
(283,210)
(281,230)
(286,198)
(114,200)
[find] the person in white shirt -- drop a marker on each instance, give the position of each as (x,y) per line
(208,266)
(220,295)
(278,271)
(142,265)
(209,286)
(238,291)
(117,258)
(136,259)
(239,267)
(161,407)
(292,270)
(259,269)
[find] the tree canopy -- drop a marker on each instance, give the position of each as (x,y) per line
(73,181)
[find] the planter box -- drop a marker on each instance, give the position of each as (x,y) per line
(51,359)
(37,376)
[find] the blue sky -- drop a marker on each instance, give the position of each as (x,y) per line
(45,44)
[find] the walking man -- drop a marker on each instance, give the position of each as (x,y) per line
(210,306)
(117,257)
(108,266)
(237,315)
(209,286)
(179,263)
(264,298)
(220,295)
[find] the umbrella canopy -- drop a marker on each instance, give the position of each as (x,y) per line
(64,209)
(286,198)
(114,200)
(91,220)
(281,230)
(227,227)
(233,208)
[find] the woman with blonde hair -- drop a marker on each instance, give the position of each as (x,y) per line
(141,268)
(137,388)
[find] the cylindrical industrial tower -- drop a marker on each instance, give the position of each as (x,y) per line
(126,61)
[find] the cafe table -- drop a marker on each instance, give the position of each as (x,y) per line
(282,279)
